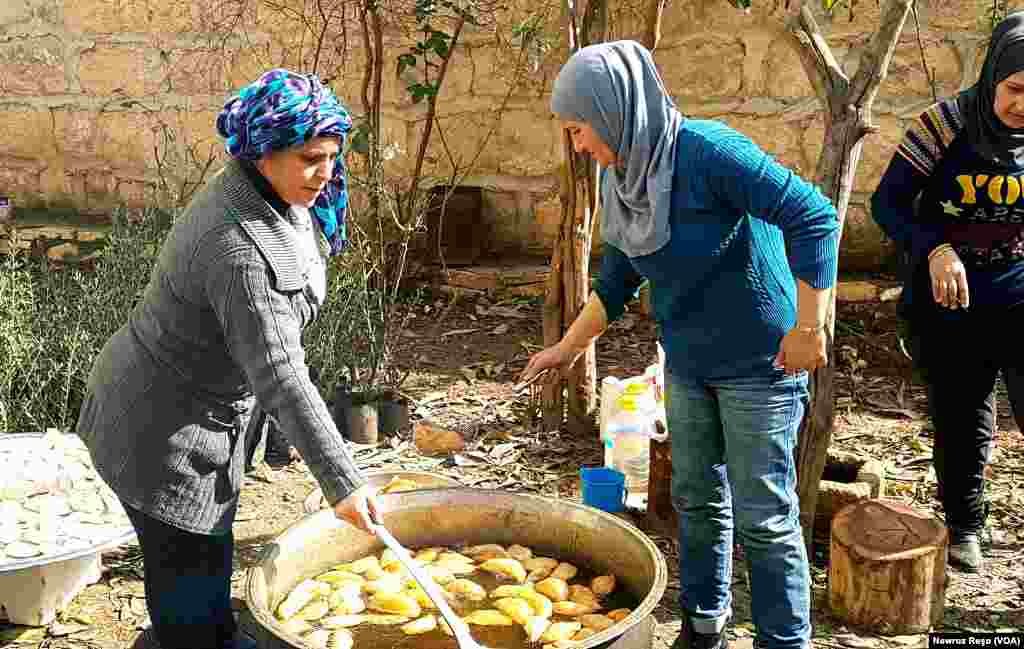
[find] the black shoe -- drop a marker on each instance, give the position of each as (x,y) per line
(965,552)
(690,639)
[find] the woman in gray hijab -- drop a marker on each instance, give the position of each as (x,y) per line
(962,162)
(703,215)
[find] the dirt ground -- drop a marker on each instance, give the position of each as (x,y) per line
(465,353)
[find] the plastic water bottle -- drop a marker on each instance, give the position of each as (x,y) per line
(628,435)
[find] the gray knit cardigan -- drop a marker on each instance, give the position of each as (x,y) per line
(170,395)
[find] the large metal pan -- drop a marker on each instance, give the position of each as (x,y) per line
(380,479)
(572,532)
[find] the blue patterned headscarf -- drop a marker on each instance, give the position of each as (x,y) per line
(283,109)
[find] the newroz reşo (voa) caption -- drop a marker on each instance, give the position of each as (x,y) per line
(993,640)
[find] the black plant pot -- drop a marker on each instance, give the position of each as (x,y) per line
(339,410)
(392,413)
(355,414)
(362,420)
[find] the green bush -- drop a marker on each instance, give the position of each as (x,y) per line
(53,322)
(354,338)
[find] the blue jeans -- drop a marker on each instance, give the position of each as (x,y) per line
(733,468)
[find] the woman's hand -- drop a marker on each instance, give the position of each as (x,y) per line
(558,356)
(949,278)
(360,508)
(802,348)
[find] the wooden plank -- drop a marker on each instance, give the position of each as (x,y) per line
(524,275)
(64,232)
(527,290)
(471,279)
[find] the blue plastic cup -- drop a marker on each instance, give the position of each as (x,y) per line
(603,488)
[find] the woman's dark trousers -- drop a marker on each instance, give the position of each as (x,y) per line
(963,353)
(188,584)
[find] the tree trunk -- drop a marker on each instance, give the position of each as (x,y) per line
(582,385)
(569,283)
(847,105)
(887,569)
(552,406)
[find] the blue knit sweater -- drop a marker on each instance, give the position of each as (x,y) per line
(722,291)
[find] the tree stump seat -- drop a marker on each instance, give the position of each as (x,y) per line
(846,479)
(887,569)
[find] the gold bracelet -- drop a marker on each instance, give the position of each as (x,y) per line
(811,330)
(940,250)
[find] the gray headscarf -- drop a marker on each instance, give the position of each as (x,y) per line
(989,137)
(615,88)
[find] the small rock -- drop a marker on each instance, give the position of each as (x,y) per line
(431,439)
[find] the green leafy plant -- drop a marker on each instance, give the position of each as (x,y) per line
(996,13)
(55,319)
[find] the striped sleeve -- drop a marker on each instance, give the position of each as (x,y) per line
(927,137)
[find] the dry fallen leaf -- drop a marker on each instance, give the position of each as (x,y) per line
(60,629)
(138,606)
(264,473)
(500,450)
(471,458)
(469,373)
(909,640)
(890,294)
(457,332)
(856,642)
(500,330)
(507,312)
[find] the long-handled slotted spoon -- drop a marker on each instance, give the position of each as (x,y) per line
(459,628)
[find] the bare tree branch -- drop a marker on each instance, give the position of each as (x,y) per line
(820,65)
(652,24)
(368,49)
(847,109)
(874,61)
(432,111)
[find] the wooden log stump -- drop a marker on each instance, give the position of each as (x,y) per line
(847,478)
(887,569)
(661,517)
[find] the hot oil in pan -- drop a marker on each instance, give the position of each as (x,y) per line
(493,637)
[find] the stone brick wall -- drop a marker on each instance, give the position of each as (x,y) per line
(96,96)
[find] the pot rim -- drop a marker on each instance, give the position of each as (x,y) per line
(440,477)
(265,618)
